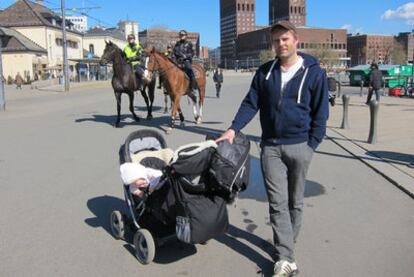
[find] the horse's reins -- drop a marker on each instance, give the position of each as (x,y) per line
(163,71)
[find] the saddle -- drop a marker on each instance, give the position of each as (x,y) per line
(195,72)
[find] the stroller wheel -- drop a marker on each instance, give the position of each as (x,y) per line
(144,246)
(118,224)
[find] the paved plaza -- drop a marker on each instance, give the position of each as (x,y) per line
(59,182)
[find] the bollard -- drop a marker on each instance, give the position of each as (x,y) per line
(339,89)
(362,87)
(373,107)
(345,102)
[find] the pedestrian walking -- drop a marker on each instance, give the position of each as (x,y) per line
(375,82)
(218,80)
(18,80)
(291,95)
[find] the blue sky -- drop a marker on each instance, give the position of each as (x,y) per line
(364,16)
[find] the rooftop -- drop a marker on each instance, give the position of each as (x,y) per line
(19,42)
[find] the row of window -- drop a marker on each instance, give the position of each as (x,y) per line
(245,7)
(76,19)
(305,45)
(297,10)
(70,43)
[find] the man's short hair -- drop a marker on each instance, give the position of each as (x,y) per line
(131,36)
(283,25)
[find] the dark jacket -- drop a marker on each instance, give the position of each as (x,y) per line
(183,50)
(298,114)
(375,79)
(217,77)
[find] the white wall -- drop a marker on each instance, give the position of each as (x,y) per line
(99,43)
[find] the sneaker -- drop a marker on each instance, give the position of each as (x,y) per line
(285,269)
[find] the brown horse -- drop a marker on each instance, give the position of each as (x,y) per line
(177,84)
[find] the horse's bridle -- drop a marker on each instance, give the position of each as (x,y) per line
(163,72)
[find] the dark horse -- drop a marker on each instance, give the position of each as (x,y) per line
(125,81)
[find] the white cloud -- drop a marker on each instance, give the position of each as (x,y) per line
(405,11)
(351,30)
(359,30)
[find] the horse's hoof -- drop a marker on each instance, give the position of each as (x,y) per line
(182,124)
(198,120)
(165,111)
(136,119)
(168,130)
(149,117)
(116,125)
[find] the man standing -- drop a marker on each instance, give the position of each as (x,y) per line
(375,82)
(133,53)
(183,53)
(292,96)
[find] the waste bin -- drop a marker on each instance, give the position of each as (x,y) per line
(394,91)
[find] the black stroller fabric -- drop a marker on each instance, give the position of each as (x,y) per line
(191,166)
(199,217)
(230,166)
(160,212)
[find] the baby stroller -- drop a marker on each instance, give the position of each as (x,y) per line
(181,205)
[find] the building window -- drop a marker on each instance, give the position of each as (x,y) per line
(252,7)
(59,42)
(247,7)
(243,8)
(295,10)
(238,7)
(91,49)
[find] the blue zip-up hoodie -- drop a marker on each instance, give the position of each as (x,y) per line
(296,114)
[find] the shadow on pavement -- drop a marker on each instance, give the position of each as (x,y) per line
(108,119)
(102,207)
(394,157)
(256,189)
(232,240)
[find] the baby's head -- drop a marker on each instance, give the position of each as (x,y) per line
(137,188)
(131,172)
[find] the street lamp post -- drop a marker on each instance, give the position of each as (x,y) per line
(2,94)
(65,49)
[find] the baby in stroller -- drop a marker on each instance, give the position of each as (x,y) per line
(174,193)
(139,178)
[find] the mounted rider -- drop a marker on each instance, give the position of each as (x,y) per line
(169,53)
(133,54)
(183,53)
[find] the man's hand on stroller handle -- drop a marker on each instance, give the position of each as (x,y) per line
(228,135)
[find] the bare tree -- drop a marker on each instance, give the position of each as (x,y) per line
(399,55)
(266,55)
(327,56)
(161,40)
(388,50)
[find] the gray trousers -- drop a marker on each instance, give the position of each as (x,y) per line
(284,170)
(377,95)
